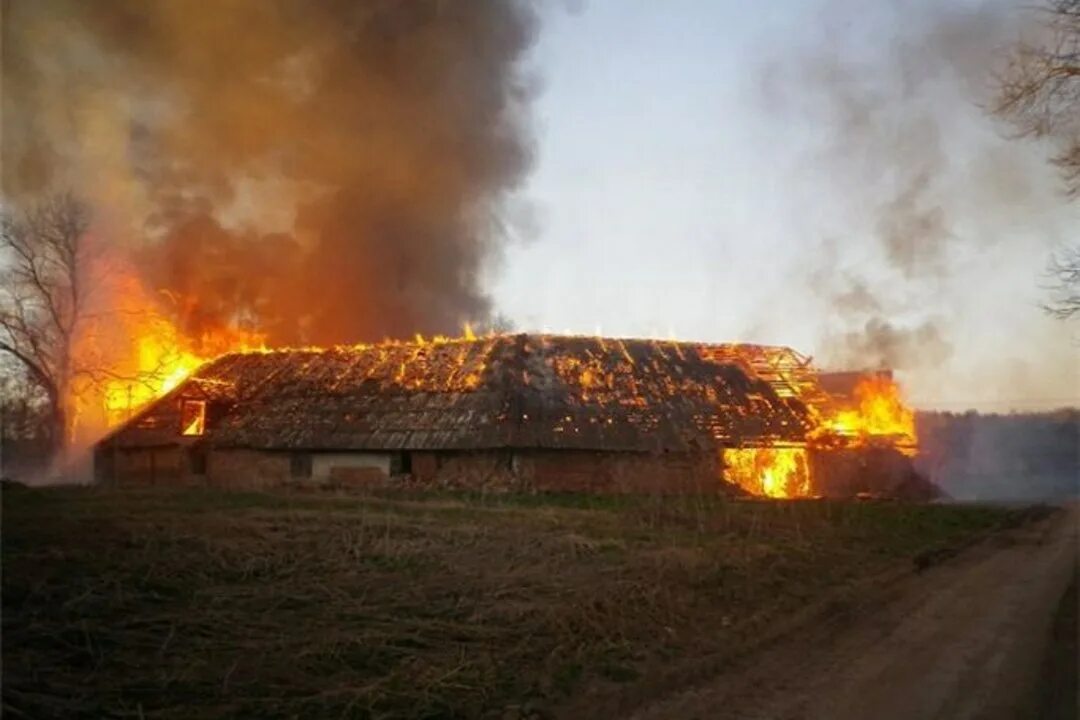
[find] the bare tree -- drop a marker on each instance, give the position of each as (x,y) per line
(1039,91)
(1039,94)
(21,402)
(1064,273)
(23,427)
(44,268)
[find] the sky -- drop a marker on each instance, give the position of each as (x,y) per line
(820,174)
(703,174)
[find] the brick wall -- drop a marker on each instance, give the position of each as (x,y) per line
(356,477)
(150,466)
(489,471)
(840,473)
(598,472)
(879,471)
(485,470)
(425,467)
(247,468)
(568,471)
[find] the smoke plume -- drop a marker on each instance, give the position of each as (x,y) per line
(325,171)
(881,344)
(898,95)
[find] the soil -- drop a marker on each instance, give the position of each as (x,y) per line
(989,633)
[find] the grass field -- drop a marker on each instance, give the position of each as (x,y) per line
(193,604)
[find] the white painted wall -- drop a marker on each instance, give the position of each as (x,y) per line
(321,463)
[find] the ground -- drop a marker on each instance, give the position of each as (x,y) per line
(201,604)
(990,634)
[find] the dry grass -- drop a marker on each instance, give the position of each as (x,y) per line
(200,604)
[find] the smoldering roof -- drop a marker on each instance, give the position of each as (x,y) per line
(503,391)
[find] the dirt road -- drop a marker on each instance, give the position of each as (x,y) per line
(989,634)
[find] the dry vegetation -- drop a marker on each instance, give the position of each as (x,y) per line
(200,604)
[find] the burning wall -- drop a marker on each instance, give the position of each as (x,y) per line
(854,416)
(776,472)
(866,407)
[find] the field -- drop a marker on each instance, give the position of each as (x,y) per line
(193,604)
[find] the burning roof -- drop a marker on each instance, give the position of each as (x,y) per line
(540,391)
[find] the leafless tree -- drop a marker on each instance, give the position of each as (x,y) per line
(1039,94)
(1064,273)
(1039,90)
(23,427)
(44,274)
(21,402)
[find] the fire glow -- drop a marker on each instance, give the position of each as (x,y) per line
(871,414)
(162,359)
(878,416)
(880,413)
(775,472)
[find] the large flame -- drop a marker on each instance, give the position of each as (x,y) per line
(874,414)
(776,472)
(143,353)
(164,358)
(879,415)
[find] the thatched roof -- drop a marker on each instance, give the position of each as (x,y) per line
(522,391)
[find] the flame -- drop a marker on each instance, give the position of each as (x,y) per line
(197,411)
(879,415)
(776,472)
(162,358)
(876,415)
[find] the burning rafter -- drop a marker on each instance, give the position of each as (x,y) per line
(516,390)
(849,408)
(762,407)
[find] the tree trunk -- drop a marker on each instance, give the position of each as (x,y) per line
(57,421)
(57,433)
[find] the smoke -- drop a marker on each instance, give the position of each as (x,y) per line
(1019,456)
(326,172)
(881,344)
(895,100)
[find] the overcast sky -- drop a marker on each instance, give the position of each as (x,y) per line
(696,179)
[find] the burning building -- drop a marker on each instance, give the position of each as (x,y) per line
(514,412)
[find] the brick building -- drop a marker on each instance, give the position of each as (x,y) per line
(522,412)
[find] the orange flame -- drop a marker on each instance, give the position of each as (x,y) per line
(193,417)
(162,358)
(776,472)
(880,415)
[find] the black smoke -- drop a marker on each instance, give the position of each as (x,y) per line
(327,171)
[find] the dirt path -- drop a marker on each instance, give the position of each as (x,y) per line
(969,638)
